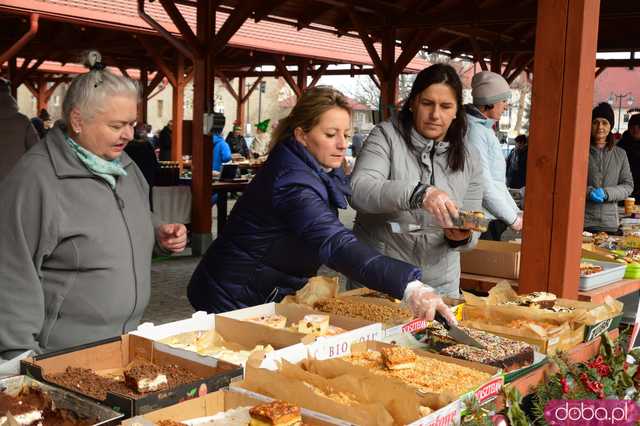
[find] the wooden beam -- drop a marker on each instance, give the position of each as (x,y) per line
(156,57)
(251,89)
(264,9)
(477,54)
(375,80)
(202,148)
(318,74)
(525,63)
(409,52)
(124,72)
(31,87)
(562,98)
(182,25)
(28,71)
(154,83)
(142,109)
(227,84)
(284,72)
(389,82)
(600,71)
(179,44)
(303,74)
(368,44)
(241,116)
(231,25)
(177,110)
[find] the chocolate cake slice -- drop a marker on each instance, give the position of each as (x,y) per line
(32,406)
(500,352)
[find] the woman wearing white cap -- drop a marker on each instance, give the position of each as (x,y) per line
(491,92)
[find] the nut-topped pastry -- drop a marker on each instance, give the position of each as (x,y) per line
(539,299)
(499,351)
(275,413)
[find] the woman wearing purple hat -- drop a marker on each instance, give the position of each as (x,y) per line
(609,179)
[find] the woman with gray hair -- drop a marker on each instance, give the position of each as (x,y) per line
(78,234)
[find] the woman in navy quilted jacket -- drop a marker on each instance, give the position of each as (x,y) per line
(286,224)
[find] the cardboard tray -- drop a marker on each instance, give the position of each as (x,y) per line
(83,407)
(451,411)
(117,353)
(611,273)
(201,321)
(357,329)
(212,404)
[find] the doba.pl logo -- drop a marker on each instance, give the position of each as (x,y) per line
(592,412)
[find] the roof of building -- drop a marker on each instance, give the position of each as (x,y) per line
(263,36)
(618,81)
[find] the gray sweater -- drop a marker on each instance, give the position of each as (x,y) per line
(76,255)
(385,175)
(609,170)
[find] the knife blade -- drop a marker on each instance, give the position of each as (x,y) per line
(457,334)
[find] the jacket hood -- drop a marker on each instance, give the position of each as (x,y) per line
(8,106)
(65,162)
(475,116)
(338,186)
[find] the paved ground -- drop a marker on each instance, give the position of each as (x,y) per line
(170,277)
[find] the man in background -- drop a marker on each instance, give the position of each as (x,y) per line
(18,134)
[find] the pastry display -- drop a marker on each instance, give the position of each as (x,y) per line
(499,351)
(398,358)
(273,321)
(88,382)
(34,407)
(367,311)
(144,376)
(276,413)
(587,269)
(427,374)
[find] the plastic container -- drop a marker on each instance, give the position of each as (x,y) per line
(611,272)
(632,272)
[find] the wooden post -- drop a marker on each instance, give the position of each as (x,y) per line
(13,77)
(177,113)
(388,86)
(241,116)
(202,148)
(144,82)
(303,73)
(565,54)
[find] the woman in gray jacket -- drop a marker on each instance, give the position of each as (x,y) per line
(609,179)
(416,169)
(77,232)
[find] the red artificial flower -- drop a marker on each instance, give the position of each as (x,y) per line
(565,385)
(600,366)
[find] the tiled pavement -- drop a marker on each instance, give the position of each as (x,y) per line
(170,277)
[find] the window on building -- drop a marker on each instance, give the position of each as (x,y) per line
(160,107)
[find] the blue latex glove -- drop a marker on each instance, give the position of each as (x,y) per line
(597,195)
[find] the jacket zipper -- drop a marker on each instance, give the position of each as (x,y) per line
(433,171)
(120,202)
